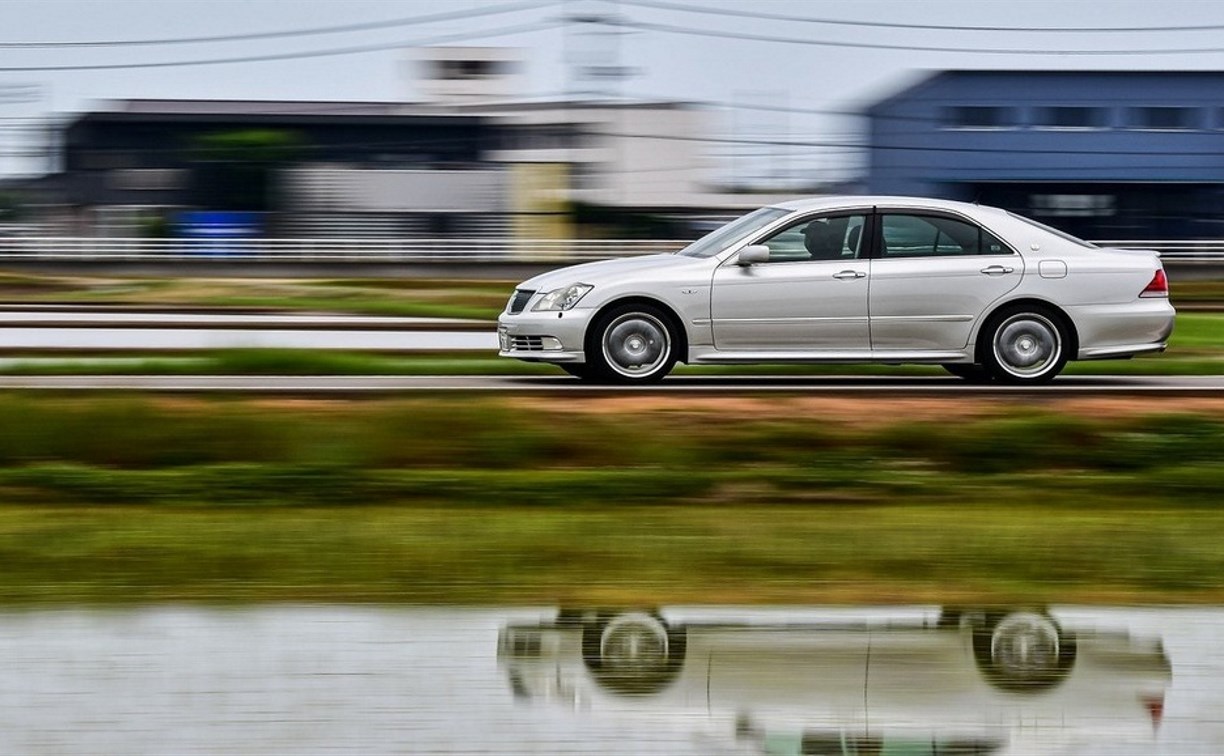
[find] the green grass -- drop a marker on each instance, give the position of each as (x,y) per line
(408,297)
(981,551)
(476,500)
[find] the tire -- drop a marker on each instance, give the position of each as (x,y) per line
(632,344)
(581,370)
(1028,344)
(974,373)
(1023,650)
(633,653)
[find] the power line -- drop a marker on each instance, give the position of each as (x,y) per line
(288,33)
(670,29)
(923,27)
(502,32)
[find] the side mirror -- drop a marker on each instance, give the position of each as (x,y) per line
(753,254)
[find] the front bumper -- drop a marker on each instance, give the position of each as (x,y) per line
(544,336)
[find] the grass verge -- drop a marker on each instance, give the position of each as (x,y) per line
(407,297)
(435,553)
(478,500)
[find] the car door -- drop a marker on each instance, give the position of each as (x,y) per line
(934,275)
(817,674)
(810,296)
(927,675)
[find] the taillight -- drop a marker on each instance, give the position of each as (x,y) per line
(1159,286)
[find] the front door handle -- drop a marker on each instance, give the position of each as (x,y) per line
(997,270)
(850,274)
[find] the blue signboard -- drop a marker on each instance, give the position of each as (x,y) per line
(224,230)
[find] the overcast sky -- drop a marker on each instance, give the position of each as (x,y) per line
(665,63)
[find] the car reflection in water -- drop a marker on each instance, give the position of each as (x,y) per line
(973,681)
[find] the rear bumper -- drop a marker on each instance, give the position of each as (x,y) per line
(1122,330)
(1125,350)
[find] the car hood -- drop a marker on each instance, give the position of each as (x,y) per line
(609,271)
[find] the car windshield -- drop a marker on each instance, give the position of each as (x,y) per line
(721,238)
(1050,229)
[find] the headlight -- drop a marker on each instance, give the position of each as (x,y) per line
(562,299)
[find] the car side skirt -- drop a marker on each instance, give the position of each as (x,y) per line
(700,356)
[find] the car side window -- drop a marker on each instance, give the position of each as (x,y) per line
(935,236)
(828,237)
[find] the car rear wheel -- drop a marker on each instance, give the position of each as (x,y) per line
(1023,650)
(634,343)
(1024,345)
(973,373)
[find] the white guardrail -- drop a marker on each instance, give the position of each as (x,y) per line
(1189,250)
(80,248)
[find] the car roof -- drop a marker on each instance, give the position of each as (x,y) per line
(833,202)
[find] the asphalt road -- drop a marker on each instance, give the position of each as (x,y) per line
(832,385)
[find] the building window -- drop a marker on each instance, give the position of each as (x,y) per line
(1073,205)
(539,137)
(148,179)
(979,117)
(470,69)
(1165,118)
(1069,117)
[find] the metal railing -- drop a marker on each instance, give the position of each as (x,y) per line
(1186,250)
(76,248)
(474,250)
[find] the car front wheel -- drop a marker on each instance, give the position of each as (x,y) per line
(633,653)
(633,343)
(1024,345)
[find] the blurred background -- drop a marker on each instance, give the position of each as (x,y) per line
(490,122)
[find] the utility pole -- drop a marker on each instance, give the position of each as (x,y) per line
(17,94)
(592,49)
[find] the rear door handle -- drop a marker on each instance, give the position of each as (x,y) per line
(850,274)
(997,270)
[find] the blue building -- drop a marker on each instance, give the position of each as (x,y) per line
(1102,154)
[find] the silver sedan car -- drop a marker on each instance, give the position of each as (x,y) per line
(974,681)
(986,293)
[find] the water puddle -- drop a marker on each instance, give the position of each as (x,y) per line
(884,681)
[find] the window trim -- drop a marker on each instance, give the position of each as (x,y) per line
(878,233)
(866,241)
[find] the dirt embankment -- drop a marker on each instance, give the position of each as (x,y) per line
(872,412)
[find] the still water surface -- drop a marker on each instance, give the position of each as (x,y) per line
(889,681)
